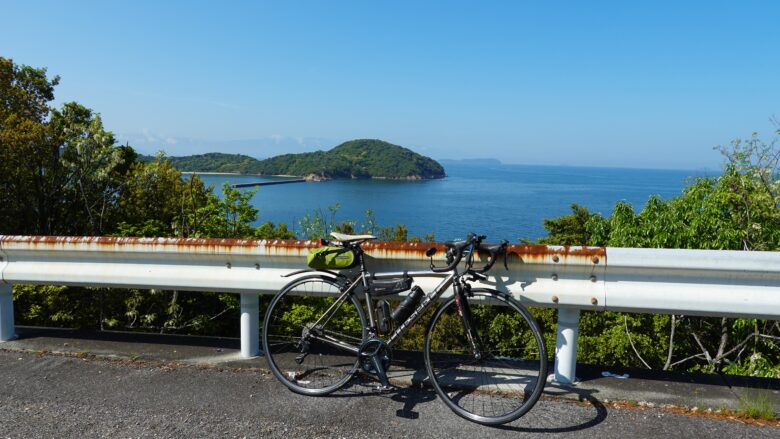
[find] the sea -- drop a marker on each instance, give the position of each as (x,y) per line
(502,201)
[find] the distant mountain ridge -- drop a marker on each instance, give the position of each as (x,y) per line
(360,158)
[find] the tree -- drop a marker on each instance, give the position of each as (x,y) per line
(30,177)
(568,229)
(157,201)
(94,168)
(738,210)
(60,172)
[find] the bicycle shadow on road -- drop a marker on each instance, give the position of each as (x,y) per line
(420,393)
(584,396)
(409,395)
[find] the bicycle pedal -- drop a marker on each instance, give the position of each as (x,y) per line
(381,388)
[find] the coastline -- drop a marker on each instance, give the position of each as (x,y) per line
(310,178)
(212,173)
(238,173)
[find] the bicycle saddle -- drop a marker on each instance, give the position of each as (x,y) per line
(494,248)
(459,245)
(343,237)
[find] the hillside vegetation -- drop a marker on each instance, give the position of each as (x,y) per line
(211,162)
(362,158)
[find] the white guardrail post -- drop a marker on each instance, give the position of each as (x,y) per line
(6,313)
(566,345)
(250,325)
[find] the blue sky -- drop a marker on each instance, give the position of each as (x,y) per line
(597,83)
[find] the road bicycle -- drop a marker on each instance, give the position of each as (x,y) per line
(483,351)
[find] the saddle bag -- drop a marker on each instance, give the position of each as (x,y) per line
(333,258)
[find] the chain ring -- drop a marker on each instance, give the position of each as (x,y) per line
(371,347)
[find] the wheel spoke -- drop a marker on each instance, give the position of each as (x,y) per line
(297,357)
(506,380)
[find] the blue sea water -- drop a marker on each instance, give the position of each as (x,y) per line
(499,200)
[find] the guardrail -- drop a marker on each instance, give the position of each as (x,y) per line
(692,282)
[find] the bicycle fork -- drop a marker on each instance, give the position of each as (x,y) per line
(464,311)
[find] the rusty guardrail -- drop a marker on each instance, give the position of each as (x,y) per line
(717,283)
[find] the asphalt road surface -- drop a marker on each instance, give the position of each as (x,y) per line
(67,397)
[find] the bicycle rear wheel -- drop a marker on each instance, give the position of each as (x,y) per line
(295,347)
(505,377)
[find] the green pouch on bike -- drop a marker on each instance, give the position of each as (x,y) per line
(331,258)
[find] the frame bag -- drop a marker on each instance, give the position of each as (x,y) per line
(390,286)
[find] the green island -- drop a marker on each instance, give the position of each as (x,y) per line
(357,159)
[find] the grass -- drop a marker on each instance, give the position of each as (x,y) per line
(757,405)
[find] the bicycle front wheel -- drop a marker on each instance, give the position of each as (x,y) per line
(496,378)
(308,357)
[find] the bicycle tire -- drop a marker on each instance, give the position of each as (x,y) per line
(324,368)
(507,380)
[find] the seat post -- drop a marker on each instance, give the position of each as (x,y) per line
(361,260)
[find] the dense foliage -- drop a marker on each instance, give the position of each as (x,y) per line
(364,158)
(739,210)
(59,169)
(61,173)
(212,162)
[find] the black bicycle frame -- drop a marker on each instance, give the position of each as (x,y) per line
(362,278)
